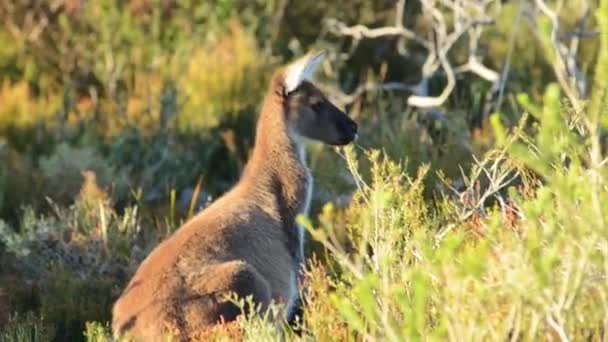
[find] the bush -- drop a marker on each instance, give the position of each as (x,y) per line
(60,259)
(26,329)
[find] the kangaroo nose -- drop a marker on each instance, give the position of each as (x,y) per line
(353,127)
(355,130)
(348,131)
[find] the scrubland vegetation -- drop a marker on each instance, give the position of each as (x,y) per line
(473,207)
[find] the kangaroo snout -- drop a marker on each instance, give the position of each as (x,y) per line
(348,130)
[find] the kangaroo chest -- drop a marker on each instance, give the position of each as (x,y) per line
(305,210)
(308,186)
(299,257)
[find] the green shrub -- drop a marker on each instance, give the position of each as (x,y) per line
(26,329)
(97,332)
(224,78)
(63,169)
(57,261)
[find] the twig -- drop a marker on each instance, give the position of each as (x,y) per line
(564,65)
(507,66)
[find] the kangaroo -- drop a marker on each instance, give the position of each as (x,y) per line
(247,242)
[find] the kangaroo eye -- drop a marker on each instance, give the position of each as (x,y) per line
(316,107)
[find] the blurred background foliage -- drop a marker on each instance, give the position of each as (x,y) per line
(120,118)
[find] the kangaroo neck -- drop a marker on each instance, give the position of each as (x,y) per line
(276,176)
(278,166)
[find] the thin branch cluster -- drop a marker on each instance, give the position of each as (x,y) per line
(449,21)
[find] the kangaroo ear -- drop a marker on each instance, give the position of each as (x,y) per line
(302,70)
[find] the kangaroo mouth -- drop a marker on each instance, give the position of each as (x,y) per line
(346,140)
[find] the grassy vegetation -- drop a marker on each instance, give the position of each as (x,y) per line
(438,225)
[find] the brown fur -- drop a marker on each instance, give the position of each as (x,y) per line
(246,242)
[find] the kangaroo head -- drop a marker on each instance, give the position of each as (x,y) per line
(309,112)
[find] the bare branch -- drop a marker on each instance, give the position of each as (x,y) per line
(360,31)
(474,66)
(499,173)
(346,99)
(467,17)
(569,76)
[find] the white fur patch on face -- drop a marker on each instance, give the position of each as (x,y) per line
(302,70)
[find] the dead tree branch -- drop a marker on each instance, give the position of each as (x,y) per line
(466,17)
(563,60)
